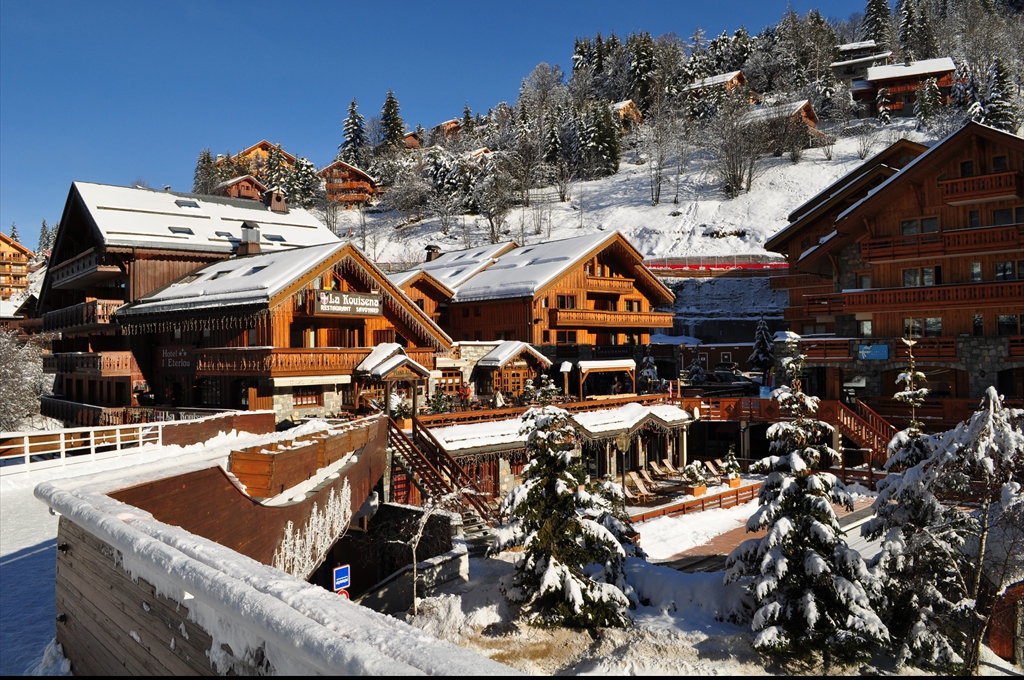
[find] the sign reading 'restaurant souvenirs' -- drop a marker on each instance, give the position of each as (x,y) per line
(338,302)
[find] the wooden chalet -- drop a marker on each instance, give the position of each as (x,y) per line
(259,151)
(14,264)
(629,113)
(780,119)
(116,245)
(412,140)
(815,220)
(934,252)
(292,331)
(507,367)
(245,186)
(347,184)
(449,129)
(724,81)
(902,82)
(856,58)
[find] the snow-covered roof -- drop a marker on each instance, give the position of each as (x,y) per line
(508,350)
(918,68)
(8,308)
(385,368)
(607,365)
(474,437)
(522,272)
(862,45)
(660,339)
(862,60)
(241,178)
(618,106)
(379,355)
(774,111)
(238,281)
(401,279)
(719,79)
(629,417)
(147,218)
(859,84)
(455,268)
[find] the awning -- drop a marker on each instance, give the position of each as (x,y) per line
(606,366)
(313,380)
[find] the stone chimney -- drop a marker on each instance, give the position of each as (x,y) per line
(433,252)
(274,199)
(250,244)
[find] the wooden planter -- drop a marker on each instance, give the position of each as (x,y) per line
(733,482)
(695,490)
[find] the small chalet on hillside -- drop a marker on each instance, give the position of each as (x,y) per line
(118,244)
(14,261)
(245,186)
(258,152)
(347,184)
(725,81)
(902,81)
(934,252)
(856,58)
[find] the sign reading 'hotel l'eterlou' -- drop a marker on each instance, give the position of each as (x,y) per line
(339,302)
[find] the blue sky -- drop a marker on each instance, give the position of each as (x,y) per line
(115,91)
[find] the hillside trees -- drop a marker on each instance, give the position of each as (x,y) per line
(353,149)
(391,124)
(206,175)
(22,380)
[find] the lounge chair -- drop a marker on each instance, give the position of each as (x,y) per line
(648,479)
(657,469)
(715,474)
(638,483)
(631,498)
(671,468)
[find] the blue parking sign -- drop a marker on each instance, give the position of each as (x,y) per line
(341,577)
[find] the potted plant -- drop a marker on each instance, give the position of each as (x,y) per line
(695,482)
(402,415)
(731,469)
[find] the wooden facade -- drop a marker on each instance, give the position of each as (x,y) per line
(347,184)
(258,153)
(935,252)
(14,264)
(902,83)
(245,186)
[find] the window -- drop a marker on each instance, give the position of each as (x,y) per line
(923,276)
(565,337)
(928,327)
(632,305)
(478,335)
(421,303)
(186,203)
(967,169)
(544,302)
(726,357)
(307,396)
(1018,215)
(1002,217)
(224,234)
(1005,271)
(209,391)
(908,227)
(276,238)
(978,325)
(566,302)
(476,311)
(181,230)
(999,164)
(465,312)
(933,327)
(929,225)
(864,281)
(1008,324)
(974,219)
(547,337)
(255,270)
(250,337)
(220,274)
(925,225)
(975,272)
(864,329)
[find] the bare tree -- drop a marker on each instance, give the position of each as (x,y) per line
(655,141)
(22,381)
(493,196)
(737,142)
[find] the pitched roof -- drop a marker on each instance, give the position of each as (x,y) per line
(14,244)
(406,278)
(918,68)
(776,111)
(719,79)
(265,146)
(455,268)
(146,218)
(342,163)
(863,45)
(240,178)
(508,350)
(861,60)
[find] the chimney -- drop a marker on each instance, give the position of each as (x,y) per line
(250,244)
(167,187)
(274,199)
(433,252)
(908,60)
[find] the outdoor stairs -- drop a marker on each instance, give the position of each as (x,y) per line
(862,426)
(478,534)
(435,473)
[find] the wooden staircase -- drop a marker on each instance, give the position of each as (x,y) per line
(434,472)
(866,429)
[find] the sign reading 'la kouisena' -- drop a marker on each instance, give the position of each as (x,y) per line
(356,304)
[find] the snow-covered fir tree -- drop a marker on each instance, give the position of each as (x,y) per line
(548,391)
(695,474)
(570,572)
(302,184)
(731,467)
(811,592)
(14,233)
(275,169)
(1001,110)
(884,102)
(877,22)
(648,374)
(943,559)
(206,175)
(927,104)
(762,358)
(392,125)
(695,372)
(352,149)
(44,239)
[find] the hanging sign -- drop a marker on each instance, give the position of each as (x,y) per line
(350,304)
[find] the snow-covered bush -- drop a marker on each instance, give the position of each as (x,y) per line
(571,569)
(695,372)
(694,475)
(548,390)
(731,467)
(22,380)
(812,593)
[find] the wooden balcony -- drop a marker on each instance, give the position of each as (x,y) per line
(934,297)
(797,281)
(86,316)
(1016,346)
(104,364)
(85,269)
(982,188)
(828,304)
(928,348)
(960,241)
(610,284)
(594,318)
(826,350)
(275,363)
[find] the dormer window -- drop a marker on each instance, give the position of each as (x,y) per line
(186,203)
(220,274)
(276,238)
(183,231)
(225,234)
(255,270)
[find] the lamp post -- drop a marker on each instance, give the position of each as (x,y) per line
(621,444)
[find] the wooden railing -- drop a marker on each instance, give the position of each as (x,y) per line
(948,242)
(81,265)
(1016,346)
(455,473)
(935,414)
(827,304)
(928,348)
(92,363)
(610,284)
(907,299)
(854,427)
(726,499)
(88,415)
(268,361)
(981,187)
(82,315)
(883,426)
(797,281)
(826,350)
(606,319)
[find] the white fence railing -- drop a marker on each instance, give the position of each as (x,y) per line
(22,452)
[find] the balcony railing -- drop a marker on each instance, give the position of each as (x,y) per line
(999,185)
(594,318)
(609,284)
(826,350)
(86,267)
(827,304)
(928,348)
(933,297)
(1016,347)
(271,362)
(81,316)
(797,281)
(106,364)
(949,242)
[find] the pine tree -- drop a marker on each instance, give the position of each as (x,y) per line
(883,102)
(695,372)
(275,170)
(52,240)
(206,175)
(876,22)
(467,123)
(1000,110)
(927,103)
(392,124)
(44,239)
(302,184)
(14,233)
(762,358)
(571,569)
(351,149)
(811,591)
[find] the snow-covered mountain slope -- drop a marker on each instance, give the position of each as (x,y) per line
(623,202)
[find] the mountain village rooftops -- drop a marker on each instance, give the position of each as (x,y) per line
(455,268)
(854,46)
(135,217)
(862,60)
(508,350)
(719,79)
(774,111)
(918,68)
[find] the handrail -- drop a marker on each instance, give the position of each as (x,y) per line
(878,422)
(405,446)
(456,473)
(859,430)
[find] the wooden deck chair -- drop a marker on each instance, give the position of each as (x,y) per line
(714,471)
(672,469)
(719,463)
(648,479)
(638,483)
(629,496)
(657,469)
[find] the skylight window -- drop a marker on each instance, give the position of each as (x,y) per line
(224,234)
(254,270)
(190,278)
(277,238)
(220,274)
(186,203)
(181,230)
